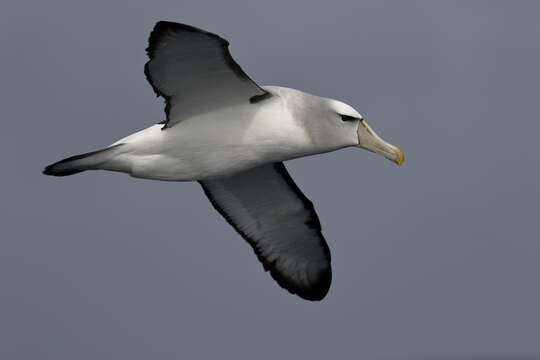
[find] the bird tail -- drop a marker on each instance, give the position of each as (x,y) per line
(79,163)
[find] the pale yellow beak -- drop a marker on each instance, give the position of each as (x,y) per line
(369,140)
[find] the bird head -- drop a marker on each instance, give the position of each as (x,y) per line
(354,124)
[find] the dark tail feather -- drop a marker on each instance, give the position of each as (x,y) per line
(79,163)
(49,170)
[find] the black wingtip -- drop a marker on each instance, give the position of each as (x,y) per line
(171,25)
(318,289)
(163,27)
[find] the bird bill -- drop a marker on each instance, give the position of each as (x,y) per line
(369,140)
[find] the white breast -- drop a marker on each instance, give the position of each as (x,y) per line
(214,144)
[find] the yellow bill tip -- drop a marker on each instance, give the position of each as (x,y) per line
(400,157)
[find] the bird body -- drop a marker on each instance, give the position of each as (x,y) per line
(221,143)
(231,135)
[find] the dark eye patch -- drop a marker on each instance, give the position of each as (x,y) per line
(348,118)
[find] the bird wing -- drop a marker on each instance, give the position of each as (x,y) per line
(194,72)
(265,206)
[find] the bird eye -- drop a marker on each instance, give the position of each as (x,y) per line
(348,118)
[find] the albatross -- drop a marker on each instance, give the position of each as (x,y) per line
(232,136)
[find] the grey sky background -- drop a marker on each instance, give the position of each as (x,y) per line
(438,259)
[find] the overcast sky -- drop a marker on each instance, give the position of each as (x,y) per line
(438,259)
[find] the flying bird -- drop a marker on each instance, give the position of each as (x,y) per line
(232,136)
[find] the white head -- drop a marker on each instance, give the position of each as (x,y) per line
(351,125)
(331,124)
